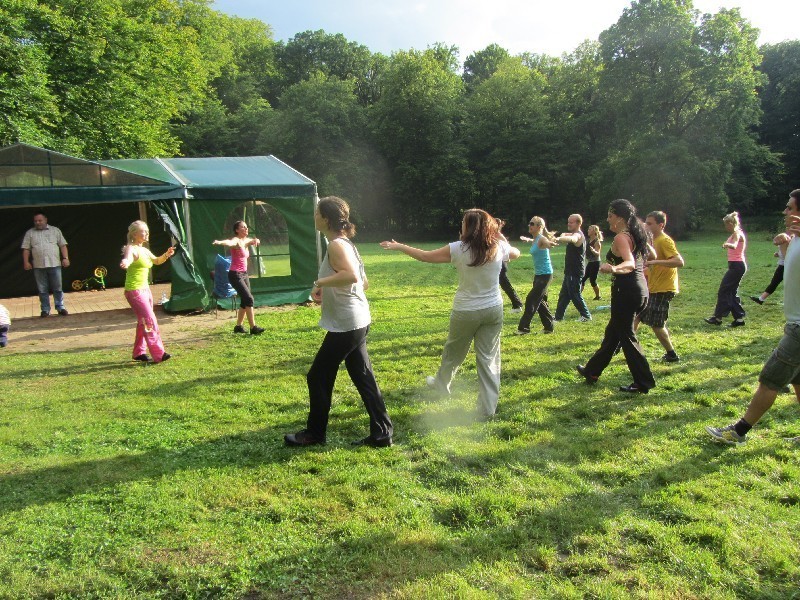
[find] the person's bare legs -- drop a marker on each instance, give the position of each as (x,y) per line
(663,336)
(762,401)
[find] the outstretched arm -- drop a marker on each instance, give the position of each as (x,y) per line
(440,255)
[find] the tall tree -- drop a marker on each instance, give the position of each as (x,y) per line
(481,65)
(680,91)
(416,125)
(780,98)
(511,141)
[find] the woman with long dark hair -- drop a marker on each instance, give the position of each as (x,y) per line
(345,315)
(625,261)
(237,275)
(728,300)
(477,314)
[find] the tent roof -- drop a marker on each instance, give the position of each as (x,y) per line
(31,176)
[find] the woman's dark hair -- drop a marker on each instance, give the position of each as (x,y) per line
(625,210)
(336,213)
(236,226)
(480,235)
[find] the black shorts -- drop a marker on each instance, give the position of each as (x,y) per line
(657,311)
(240,281)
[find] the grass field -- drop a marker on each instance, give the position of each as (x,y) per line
(119,480)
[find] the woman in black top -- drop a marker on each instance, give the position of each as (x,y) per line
(628,298)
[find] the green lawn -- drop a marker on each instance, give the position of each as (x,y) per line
(119,480)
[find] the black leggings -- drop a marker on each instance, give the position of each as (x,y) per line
(592,269)
(350,347)
(628,299)
(240,281)
(505,284)
(777,277)
(728,300)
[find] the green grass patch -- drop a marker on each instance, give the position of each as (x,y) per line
(120,480)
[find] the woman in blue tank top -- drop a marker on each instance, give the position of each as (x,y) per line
(536,301)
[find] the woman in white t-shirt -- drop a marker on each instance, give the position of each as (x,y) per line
(477,314)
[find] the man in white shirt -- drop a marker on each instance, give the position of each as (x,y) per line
(783,366)
(44,251)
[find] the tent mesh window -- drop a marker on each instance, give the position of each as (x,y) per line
(271,258)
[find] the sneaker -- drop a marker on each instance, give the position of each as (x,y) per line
(373,442)
(726,435)
(517,309)
(737,323)
(239,329)
(590,379)
(756,299)
(546,331)
(301,438)
(634,388)
(584,319)
(670,357)
(141,358)
(521,332)
(430,380)
(166,357)
(256,330)
(44,314)
(713,321)
(63,312)
(597,298)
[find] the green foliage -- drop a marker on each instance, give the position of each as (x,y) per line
(415,124)
(481,65)
(171,481)
(780,98)
(679,90)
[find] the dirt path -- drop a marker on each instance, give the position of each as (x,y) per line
(112,329)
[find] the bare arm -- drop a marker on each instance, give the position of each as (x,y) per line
(345,265)
(736,237)
(440,255)
(622,247)
(544,243)
(127,257)
(229,243)
(674,261)
(571,238)
(593,250)
(26,259)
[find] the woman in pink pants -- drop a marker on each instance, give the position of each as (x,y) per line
(138,261)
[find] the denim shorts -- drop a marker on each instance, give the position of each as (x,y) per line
(783,367)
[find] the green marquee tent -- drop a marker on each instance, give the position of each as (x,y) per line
(196,199)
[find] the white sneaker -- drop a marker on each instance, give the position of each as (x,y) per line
(430,380)
(516,310)
(584,319)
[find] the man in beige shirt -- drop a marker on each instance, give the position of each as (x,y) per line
(44,251)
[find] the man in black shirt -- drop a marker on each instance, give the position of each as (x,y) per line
(574,266)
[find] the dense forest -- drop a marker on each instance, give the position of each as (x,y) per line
(670,108)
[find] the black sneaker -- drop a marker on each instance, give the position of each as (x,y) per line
(165,357)
(141,358)
(756,299)
(590,379)
(373,442)
(738,323)
(670,357)
(256,330)
(63,312)
(301,438)
(44,314)
(713,321)
(239,329)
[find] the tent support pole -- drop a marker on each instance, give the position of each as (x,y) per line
(317,234)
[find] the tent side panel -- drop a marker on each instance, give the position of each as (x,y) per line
(208,223)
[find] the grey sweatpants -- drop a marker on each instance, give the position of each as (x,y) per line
(483,326)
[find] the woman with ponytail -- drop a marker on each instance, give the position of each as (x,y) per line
(728,300)
(345,316)
(477,314)
(536,301)
(625,262)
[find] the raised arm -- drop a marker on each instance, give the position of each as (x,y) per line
(440,255)
(229,243)
(127,257)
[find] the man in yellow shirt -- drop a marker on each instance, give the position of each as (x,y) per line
(662,282)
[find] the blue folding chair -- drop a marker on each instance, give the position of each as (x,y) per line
(222,287)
